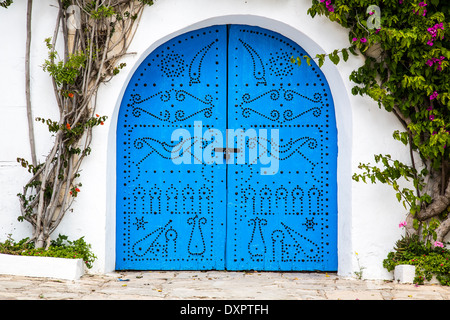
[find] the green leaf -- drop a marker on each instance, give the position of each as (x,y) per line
(416,224)
(308,60)
(321,59)
(292,59)
(345,54)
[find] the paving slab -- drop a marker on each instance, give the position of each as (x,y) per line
(210,285)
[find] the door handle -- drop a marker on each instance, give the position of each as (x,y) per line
(227,151)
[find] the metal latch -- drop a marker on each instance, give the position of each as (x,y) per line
(227,151)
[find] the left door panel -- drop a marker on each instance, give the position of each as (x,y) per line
(171,204)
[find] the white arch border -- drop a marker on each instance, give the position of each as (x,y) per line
(344,125)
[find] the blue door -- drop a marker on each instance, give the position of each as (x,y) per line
(226,157)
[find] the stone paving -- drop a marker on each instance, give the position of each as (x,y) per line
(210,285)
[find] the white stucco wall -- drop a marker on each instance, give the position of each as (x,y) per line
(368,214)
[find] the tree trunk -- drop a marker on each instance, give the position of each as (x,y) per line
(28,85)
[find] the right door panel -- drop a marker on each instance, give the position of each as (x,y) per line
(282,194)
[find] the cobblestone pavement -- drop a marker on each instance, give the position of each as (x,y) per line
(209,285)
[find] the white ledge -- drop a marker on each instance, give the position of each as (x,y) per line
(46,267)
(404,273)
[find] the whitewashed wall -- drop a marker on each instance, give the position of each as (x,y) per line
(368,214)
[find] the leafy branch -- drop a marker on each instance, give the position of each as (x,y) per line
(333,56)
(406,71)
(90,58)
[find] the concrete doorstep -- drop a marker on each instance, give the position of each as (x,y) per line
(214,285)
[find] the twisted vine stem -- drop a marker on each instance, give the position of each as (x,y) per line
(93,44)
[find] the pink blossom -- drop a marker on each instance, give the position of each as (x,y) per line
(434,95)
(433,31)
(402,224)
(432,61)
(328,5)
(363,40)
(438,244)
(431,117)
(355,39)
(422,4)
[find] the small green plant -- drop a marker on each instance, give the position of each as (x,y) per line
(430,259)
(62,247)
(359,274)
(64,72)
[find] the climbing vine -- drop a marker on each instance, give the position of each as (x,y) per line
(406,70)
(95,35)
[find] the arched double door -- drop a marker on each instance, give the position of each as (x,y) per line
(226,157)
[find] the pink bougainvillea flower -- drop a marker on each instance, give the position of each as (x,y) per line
(431,117)
(402,224)
(434,95)
(432,61)
(355,39)
(363,40)
(433,31)
(422,4)
(438,244)
(328,5)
